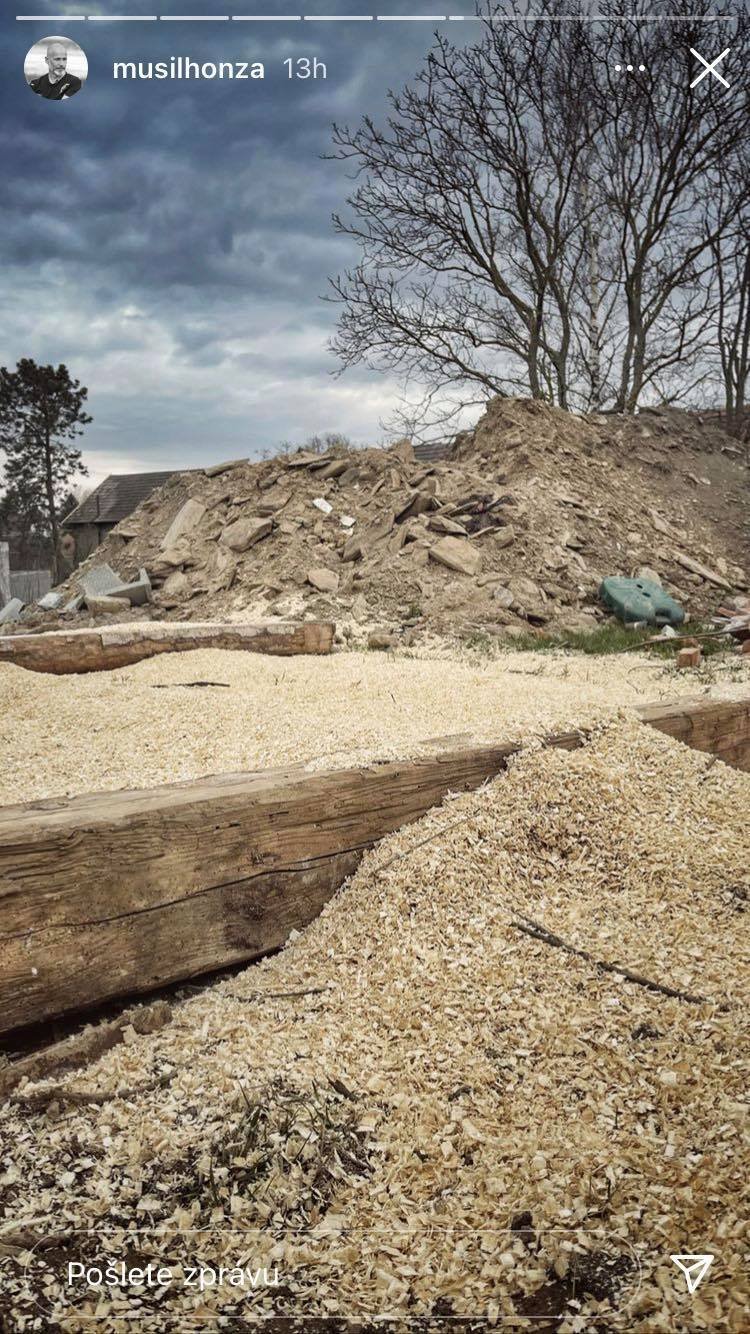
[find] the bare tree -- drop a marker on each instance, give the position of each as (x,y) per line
(532,220)
(731,281)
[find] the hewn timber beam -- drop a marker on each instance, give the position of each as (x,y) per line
(118,893)
(63,652)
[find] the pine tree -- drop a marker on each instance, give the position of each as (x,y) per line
(41,414)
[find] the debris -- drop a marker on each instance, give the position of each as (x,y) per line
(352,549)
(50,601)
(457,554)
(11,611)
(244,533)
(100,579)
(188,517)
(137,594)
(531,486)
(503,536)
(103,604)
(688,657)
(695,567)
(380,639)
(322,579)
(218,469)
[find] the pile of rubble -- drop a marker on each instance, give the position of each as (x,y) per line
(514,528)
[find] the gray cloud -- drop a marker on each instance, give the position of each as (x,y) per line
(171,241)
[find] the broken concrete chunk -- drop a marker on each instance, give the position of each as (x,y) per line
(183,523)
(352,549)
(335,469)
(458,555)
(50,601)
(101,579)
(176,586)
(73,605)
(403,449)
(136,593)
(302,459)
(648,574)
(322,579)
(695,567)
(322,504)
(11,611)
(101,604)
(439,524)
(244,533)
(218,468)
(347,521)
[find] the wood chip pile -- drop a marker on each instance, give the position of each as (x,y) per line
(147,724)
(445,1097)
(516,528)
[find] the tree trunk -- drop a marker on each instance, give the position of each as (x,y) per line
(51,506)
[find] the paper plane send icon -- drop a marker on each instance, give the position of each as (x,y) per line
(694,1267)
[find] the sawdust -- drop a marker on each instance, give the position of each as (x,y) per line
(537,507)
(141,726)
(465,1120)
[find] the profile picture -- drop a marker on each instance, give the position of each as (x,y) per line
(55,68)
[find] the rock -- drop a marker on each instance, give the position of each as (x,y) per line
(335,469)
(324,580)
(11,611)
(695,567)
(218,468)
(302,459)
(502,596)
(380,639)
(101,604)
(525,590)
(176,586)
(244,533)
(646,572)
(439,524)
(352,549)
(578,621)
(502,537)
(184,522)
(458,555)
(403,449)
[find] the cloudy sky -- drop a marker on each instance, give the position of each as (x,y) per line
(171,240)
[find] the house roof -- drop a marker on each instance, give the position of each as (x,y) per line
(116,497)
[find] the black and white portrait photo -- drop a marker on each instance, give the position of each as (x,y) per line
(55,68)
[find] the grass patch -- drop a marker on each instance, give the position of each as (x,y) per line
(613,637)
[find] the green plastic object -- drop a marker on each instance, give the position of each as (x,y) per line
(640,600)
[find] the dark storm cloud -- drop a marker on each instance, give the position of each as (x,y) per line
(171,240)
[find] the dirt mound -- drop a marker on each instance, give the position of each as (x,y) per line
(516,526)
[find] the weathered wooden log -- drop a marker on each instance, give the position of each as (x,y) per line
(117,893)
(63,652)
(81,1048)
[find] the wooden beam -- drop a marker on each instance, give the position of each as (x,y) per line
(118,893)
(62,652)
